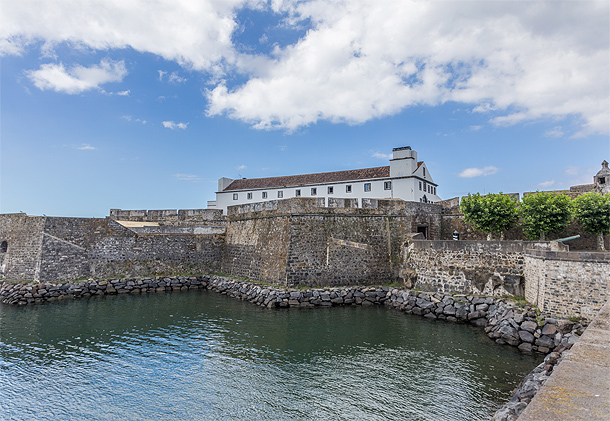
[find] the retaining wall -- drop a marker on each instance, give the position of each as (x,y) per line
(568,283)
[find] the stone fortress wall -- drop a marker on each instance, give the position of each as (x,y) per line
(298,243)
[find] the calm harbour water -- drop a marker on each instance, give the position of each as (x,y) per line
(204,356)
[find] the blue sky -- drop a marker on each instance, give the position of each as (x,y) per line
(142,105)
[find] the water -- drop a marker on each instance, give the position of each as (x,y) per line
(204,356)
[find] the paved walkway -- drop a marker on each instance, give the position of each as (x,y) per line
(579,387)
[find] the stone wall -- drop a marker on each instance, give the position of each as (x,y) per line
(51,248)
(468,267)
(170,216)
(568,283)
(299,242)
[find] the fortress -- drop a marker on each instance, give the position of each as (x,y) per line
(311,241)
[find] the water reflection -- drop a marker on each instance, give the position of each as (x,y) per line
(200,355)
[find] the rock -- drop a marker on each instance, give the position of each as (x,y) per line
(549,329)
(526,336)
(525,346)
(545,341)
(529,326)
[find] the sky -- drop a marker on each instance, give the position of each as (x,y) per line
(146,104)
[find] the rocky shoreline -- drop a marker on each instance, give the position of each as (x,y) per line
(503,321)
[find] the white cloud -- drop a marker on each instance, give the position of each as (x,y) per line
(381,155)
(78,78)
(187,177)
(173,125)
(241,167)
(130,118)
(546,184)
(161,73)
(124,93)
(477,172)
(174,78)
(475,128)
(514,61)
(86,147)
(572,170)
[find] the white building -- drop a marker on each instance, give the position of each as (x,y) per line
(405,178)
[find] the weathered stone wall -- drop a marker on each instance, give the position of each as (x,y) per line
(468,267)
(23,236)
(568,284)
(50,249)
(171,216)
(299,242)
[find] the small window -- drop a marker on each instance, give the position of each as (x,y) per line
(425,187)
(387,185)
(348,189)
(3,247)
(420,185)
(424,172)
(264,195)
(249,196)
(297,192)
(235,196)
(367,186)
(314,191)
(330,190)
(435,190)
(280,194)
(602,180)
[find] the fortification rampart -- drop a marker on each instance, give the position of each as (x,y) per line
(568,283)
(300,242)
(560,282)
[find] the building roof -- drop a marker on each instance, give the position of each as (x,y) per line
(303,179)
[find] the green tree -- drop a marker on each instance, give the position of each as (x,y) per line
(543,212)
(592,211)
(490,213)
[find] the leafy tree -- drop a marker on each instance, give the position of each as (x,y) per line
(592,211)
(544,212)
(491,213)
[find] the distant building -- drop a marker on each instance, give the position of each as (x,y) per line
(405,178)
(602,179)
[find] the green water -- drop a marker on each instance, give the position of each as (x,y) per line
(204,356)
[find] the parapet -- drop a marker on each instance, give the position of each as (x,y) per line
(167,215)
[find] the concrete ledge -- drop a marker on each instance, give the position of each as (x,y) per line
(579,388)
(571,256)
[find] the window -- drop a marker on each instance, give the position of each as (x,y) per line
(280,194)
(367,186)
(330,190)
(314,191)
(348,188)
(387,185)
(264,195)
(602,180)
(297,192)
(3,247)
(435,190)
(420,185)
(249,196)
(425,187)
(424,172)
(235,196)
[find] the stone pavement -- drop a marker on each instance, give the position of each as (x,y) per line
(579,387)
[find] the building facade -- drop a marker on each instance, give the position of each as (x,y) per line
(405,178)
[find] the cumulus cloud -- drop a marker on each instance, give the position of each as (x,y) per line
(478,172)
(516,61)
(556,131)
(173,125)
(130,118)
(124,93)
(77,78)
(513,61)
(86,147)
(241,167)
(546,184)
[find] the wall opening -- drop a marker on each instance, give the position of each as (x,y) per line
(3,247)
(423,230)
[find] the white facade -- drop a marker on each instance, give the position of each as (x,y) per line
(405,178)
